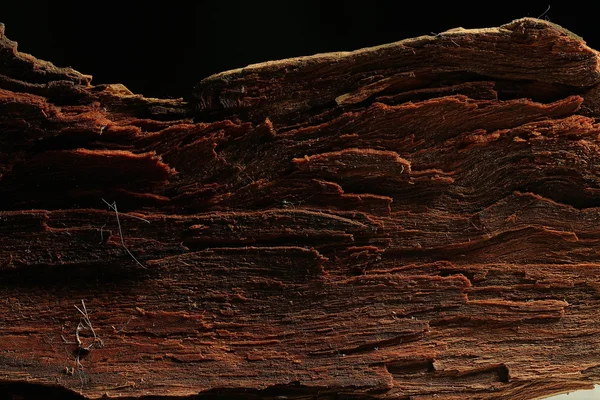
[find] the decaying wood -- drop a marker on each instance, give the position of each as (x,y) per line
(417,220)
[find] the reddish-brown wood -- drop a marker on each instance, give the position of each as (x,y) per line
(417,220)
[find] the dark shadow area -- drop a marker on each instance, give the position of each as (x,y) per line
(31,391)
(74,278)
(164,49)
(34,391)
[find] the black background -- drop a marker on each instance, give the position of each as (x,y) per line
(162,48)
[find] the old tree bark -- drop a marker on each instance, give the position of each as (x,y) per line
(417,220)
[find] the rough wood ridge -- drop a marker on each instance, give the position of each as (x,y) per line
(418,220)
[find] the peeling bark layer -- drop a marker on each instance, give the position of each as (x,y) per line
(413,221)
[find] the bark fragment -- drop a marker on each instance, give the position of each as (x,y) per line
(416,220)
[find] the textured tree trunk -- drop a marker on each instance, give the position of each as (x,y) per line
(417,220)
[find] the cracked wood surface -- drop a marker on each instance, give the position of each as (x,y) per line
(417,220)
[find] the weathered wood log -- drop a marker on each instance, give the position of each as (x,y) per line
(417,220)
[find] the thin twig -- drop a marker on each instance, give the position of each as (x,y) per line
(113,206)
(79,368)
(88,322)
(102,233)
(79,327)
(140,218)
(544,13)
(443,36)
(65,340)
(125,326)
(84,323)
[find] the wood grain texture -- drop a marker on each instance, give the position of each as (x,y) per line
(418,220)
